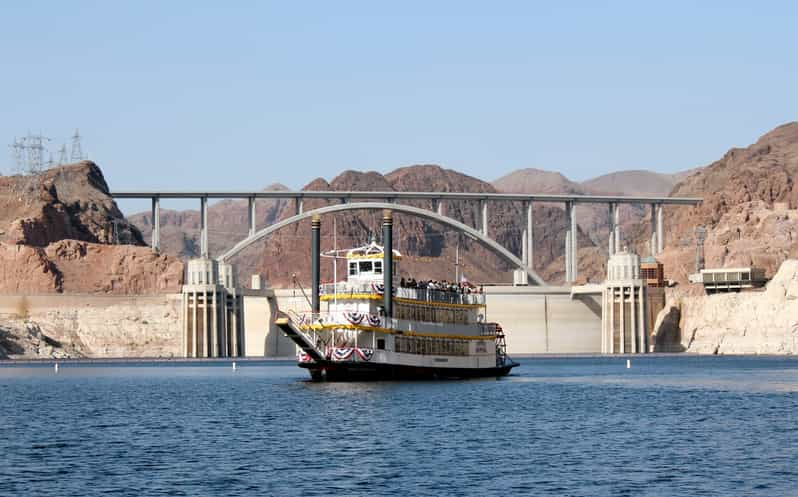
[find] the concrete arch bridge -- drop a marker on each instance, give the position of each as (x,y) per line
(359,200)
(493,245)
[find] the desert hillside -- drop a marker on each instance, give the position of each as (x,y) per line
(750,208)
(62,232)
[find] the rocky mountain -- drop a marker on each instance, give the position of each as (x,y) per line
(61,231)
(433,249)
(67,202)
(750,208)
(634,182)
(532,180)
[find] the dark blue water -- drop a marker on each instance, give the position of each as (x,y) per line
(669,426)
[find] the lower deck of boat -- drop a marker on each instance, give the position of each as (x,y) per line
(354,371)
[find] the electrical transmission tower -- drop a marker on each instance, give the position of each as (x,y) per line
(77,151)
(34,145)
(18,153)
(700,236)
(62,155)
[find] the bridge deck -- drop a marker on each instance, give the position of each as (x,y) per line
(358,195)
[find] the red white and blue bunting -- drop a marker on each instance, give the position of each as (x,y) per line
(340,354)
(365,354)
(354,317)
(373,320)
(303,357)
(378,287)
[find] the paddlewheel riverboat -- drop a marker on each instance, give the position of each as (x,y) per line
(373,329)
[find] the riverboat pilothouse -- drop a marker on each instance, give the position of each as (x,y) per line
(373,329)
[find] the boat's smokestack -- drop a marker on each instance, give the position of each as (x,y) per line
(387,261)
(316,259)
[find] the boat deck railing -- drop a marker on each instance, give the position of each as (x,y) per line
(346,288)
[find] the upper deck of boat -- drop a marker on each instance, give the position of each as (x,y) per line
(372,290)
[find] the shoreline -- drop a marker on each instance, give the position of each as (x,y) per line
(230,360)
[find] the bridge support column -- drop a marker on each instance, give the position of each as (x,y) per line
(387,263)
(529,238)
(567,242)
(251,211)
(611,234)
(660,239)
(653,242)
(574,244)
(156,224)
(570,243)
(299,206)
(204,227)
(617,224)
(484,208)
(315,277)
(437,206)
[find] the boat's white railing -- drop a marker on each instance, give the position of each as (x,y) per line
(488,329)
(347,287)
(441,296)
(459,296)
(305,318)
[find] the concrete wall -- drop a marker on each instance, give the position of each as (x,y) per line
(262,336)
(540,321)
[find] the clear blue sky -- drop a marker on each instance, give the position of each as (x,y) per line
(242,94)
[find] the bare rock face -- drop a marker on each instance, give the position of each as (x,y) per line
(72,266)
(56,235)
(66,202)
(22,338)
(27,270)
(764,322)
(750,208)
(114,269)
(100,326)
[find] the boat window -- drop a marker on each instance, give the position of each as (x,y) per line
(378,267)
(352,268)
(365,266)
(381,343)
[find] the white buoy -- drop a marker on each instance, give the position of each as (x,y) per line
(234,366)
(628,363)
(55,368)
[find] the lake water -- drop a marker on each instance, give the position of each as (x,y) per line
(669,426)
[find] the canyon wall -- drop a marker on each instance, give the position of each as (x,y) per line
(755,322)
(96,326)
